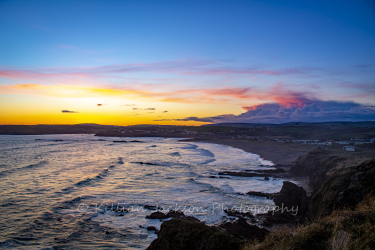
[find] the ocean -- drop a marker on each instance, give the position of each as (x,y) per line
(70,191)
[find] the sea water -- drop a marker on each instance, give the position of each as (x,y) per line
(71,191)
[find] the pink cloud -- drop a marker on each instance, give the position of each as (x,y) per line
(315,111)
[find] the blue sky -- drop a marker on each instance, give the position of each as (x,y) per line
(322,50)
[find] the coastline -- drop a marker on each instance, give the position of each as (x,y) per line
(283,155)
(322,215)
(278,153)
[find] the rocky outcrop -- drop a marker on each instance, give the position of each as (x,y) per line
(291,202)
(235,213)
(266,173)
(292,197)
(181,234)
(171,214)
(315,165)
(145,163)
(344,188)
(157,215)
(241,229)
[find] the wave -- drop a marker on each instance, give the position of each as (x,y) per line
(206,152)
(175,154)
(5,172)
(207,187)
(209,161)
(31,166)
(88,180)
(11,243)
(41,163)
(190,146)
(101,175)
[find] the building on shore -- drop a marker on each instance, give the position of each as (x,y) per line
(349,148)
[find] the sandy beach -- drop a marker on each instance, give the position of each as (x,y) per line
(278,153)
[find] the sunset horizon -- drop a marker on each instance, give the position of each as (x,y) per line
(169,124)
(169,63)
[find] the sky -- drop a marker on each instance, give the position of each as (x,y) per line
(186,62)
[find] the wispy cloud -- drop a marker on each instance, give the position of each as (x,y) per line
(278,93)
(114,80)
(182,67)
(152,109)
(68,111)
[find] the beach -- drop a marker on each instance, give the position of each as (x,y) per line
(280,153)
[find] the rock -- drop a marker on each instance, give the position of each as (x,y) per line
(151,207)
(178,234)
(152,228)
(266,178)
(181,215)
(171,214)
(242,174)
(256,173)
(260,194)
(292,197)
(157,215)
(120,141)
(175,214)
(145,163)
(240,228)
(236,213)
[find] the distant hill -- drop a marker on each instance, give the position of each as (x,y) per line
(288,131)
(52,129)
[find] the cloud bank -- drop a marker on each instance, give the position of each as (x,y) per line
(306,110)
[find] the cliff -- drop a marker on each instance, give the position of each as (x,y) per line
(340,211)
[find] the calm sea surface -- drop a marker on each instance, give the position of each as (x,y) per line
(59,191)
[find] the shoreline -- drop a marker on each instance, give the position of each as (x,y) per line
(283,155)
(278,153)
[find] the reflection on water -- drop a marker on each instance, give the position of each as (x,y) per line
(61,190)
